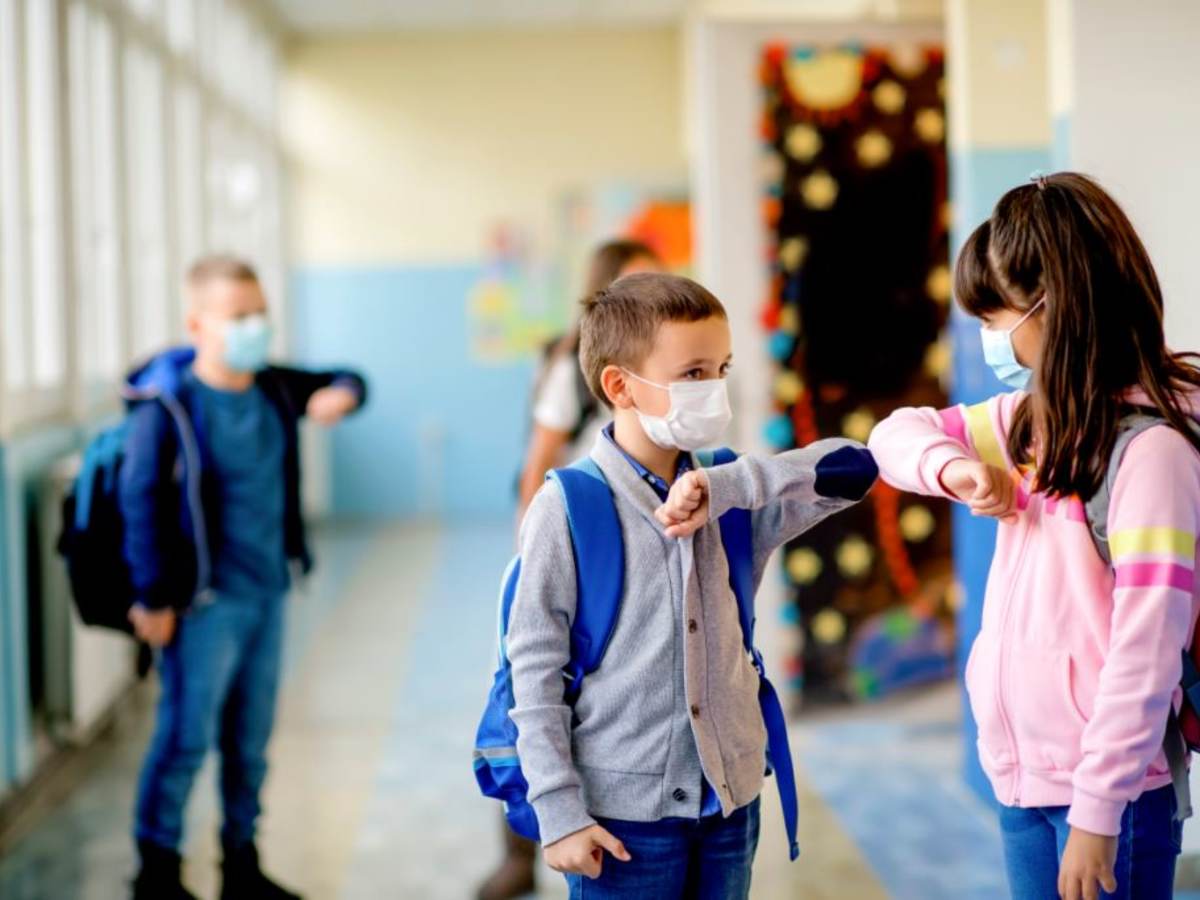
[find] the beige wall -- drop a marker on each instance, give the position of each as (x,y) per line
(408,148)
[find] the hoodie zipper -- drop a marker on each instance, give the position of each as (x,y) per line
(1001,682)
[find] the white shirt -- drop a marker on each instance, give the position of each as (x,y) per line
(556,406)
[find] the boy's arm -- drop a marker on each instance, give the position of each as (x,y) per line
(302,384)
(539,640)
(791,491)
(144,493)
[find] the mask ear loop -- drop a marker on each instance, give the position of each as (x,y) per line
(1021,321)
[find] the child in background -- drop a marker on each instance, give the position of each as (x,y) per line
(566,419)
(210,495)
(648,785)
(1075,672)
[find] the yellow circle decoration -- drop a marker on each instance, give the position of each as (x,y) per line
(938,358)
(829,626)
(792,253)
(854,557)
(803,142)
(917,523)
(930,125)
(819,190)
(804,565)
(937,285)
(858,424)
(889,96)
(789,320)
(908,60)
(874,149)
(788,387)
(772,169)
(825,81)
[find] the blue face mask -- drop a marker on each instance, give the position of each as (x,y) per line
(247,341)
(999,354)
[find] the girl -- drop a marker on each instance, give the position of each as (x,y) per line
(1077,665)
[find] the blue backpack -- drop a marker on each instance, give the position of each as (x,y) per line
(600,569)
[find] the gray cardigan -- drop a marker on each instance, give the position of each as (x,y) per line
(676,696)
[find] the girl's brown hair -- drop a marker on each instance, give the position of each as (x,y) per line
(1063,238)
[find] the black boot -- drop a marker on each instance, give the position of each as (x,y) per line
(515,875)
(158,878)
(244,880)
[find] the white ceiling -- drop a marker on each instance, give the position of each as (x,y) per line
(364,15)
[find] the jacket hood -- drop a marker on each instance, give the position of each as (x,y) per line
(161,374)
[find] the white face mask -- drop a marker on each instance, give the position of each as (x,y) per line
(698,416)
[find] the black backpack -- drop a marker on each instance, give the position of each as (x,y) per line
(93,532)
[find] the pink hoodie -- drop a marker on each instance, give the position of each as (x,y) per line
(1073,670)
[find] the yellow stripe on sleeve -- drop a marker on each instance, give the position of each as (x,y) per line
(1152,540)
(984,437)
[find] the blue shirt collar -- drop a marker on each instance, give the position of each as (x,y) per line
(661,488)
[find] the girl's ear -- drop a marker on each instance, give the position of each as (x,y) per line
(616,387)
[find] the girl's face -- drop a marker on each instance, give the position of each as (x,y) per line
(1027,338)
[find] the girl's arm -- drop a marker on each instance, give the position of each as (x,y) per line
(914,445)
(1152,526)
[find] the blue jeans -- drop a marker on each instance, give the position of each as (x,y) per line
(696,859)
(1034,840)
(220,677)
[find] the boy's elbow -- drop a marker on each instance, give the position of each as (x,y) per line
(846,473)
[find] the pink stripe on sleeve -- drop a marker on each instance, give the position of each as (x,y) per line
(1051,505)
(1075,511)
(1155,574)
(954,424)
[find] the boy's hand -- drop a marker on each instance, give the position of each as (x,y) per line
(1087,866)
(686,509)
(330,405)
(582,853)
(987,490)
(154,626)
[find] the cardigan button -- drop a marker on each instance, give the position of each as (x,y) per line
(692,626)
(695,711)
(680,795)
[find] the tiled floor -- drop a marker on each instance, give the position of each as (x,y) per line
(371,794)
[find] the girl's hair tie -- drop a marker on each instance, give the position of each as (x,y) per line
(1038,177)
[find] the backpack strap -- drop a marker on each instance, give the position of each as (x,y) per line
(737,537)
(1096,507)
(599,552)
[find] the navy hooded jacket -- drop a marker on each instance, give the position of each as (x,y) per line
(168,500)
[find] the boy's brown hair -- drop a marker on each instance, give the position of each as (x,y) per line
(219,265)
(620,323)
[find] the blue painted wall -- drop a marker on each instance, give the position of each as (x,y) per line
(977,180)
(443,433)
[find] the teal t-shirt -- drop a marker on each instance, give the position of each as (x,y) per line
(244,438)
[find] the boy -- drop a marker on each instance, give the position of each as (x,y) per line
(210,495)
(660,761)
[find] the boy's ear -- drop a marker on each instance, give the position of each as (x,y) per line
(616,387)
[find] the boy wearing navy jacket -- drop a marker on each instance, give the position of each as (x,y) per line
(647,785)
(210,497)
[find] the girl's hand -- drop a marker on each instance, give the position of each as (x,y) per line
(987,490)
(686,509)
(582,853)
(1087,866)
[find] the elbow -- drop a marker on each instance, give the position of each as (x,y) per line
(847,473)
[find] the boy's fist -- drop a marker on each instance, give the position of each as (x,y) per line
(330,405)
(582,853)
(686,509)
(154,626)
(987,490)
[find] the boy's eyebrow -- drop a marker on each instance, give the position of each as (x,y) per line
(698,361)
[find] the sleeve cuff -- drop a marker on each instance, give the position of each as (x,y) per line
(722,490)
(561,813)
(1096,815)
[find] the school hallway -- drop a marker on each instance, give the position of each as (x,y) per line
(371,794)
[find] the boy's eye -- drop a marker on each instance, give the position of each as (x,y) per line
(725,367)
(694,374)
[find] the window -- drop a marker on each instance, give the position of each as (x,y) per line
(145,177)
(189,178)
(13,252)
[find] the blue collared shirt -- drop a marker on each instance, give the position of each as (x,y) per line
(710,804)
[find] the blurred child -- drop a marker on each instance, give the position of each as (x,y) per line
(210,495)
(566,419)
(648,784)
(1074,677)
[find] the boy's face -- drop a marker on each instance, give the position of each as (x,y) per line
(213,305)
(682,351)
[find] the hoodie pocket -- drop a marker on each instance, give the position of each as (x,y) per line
(982,678)
(1046,716)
